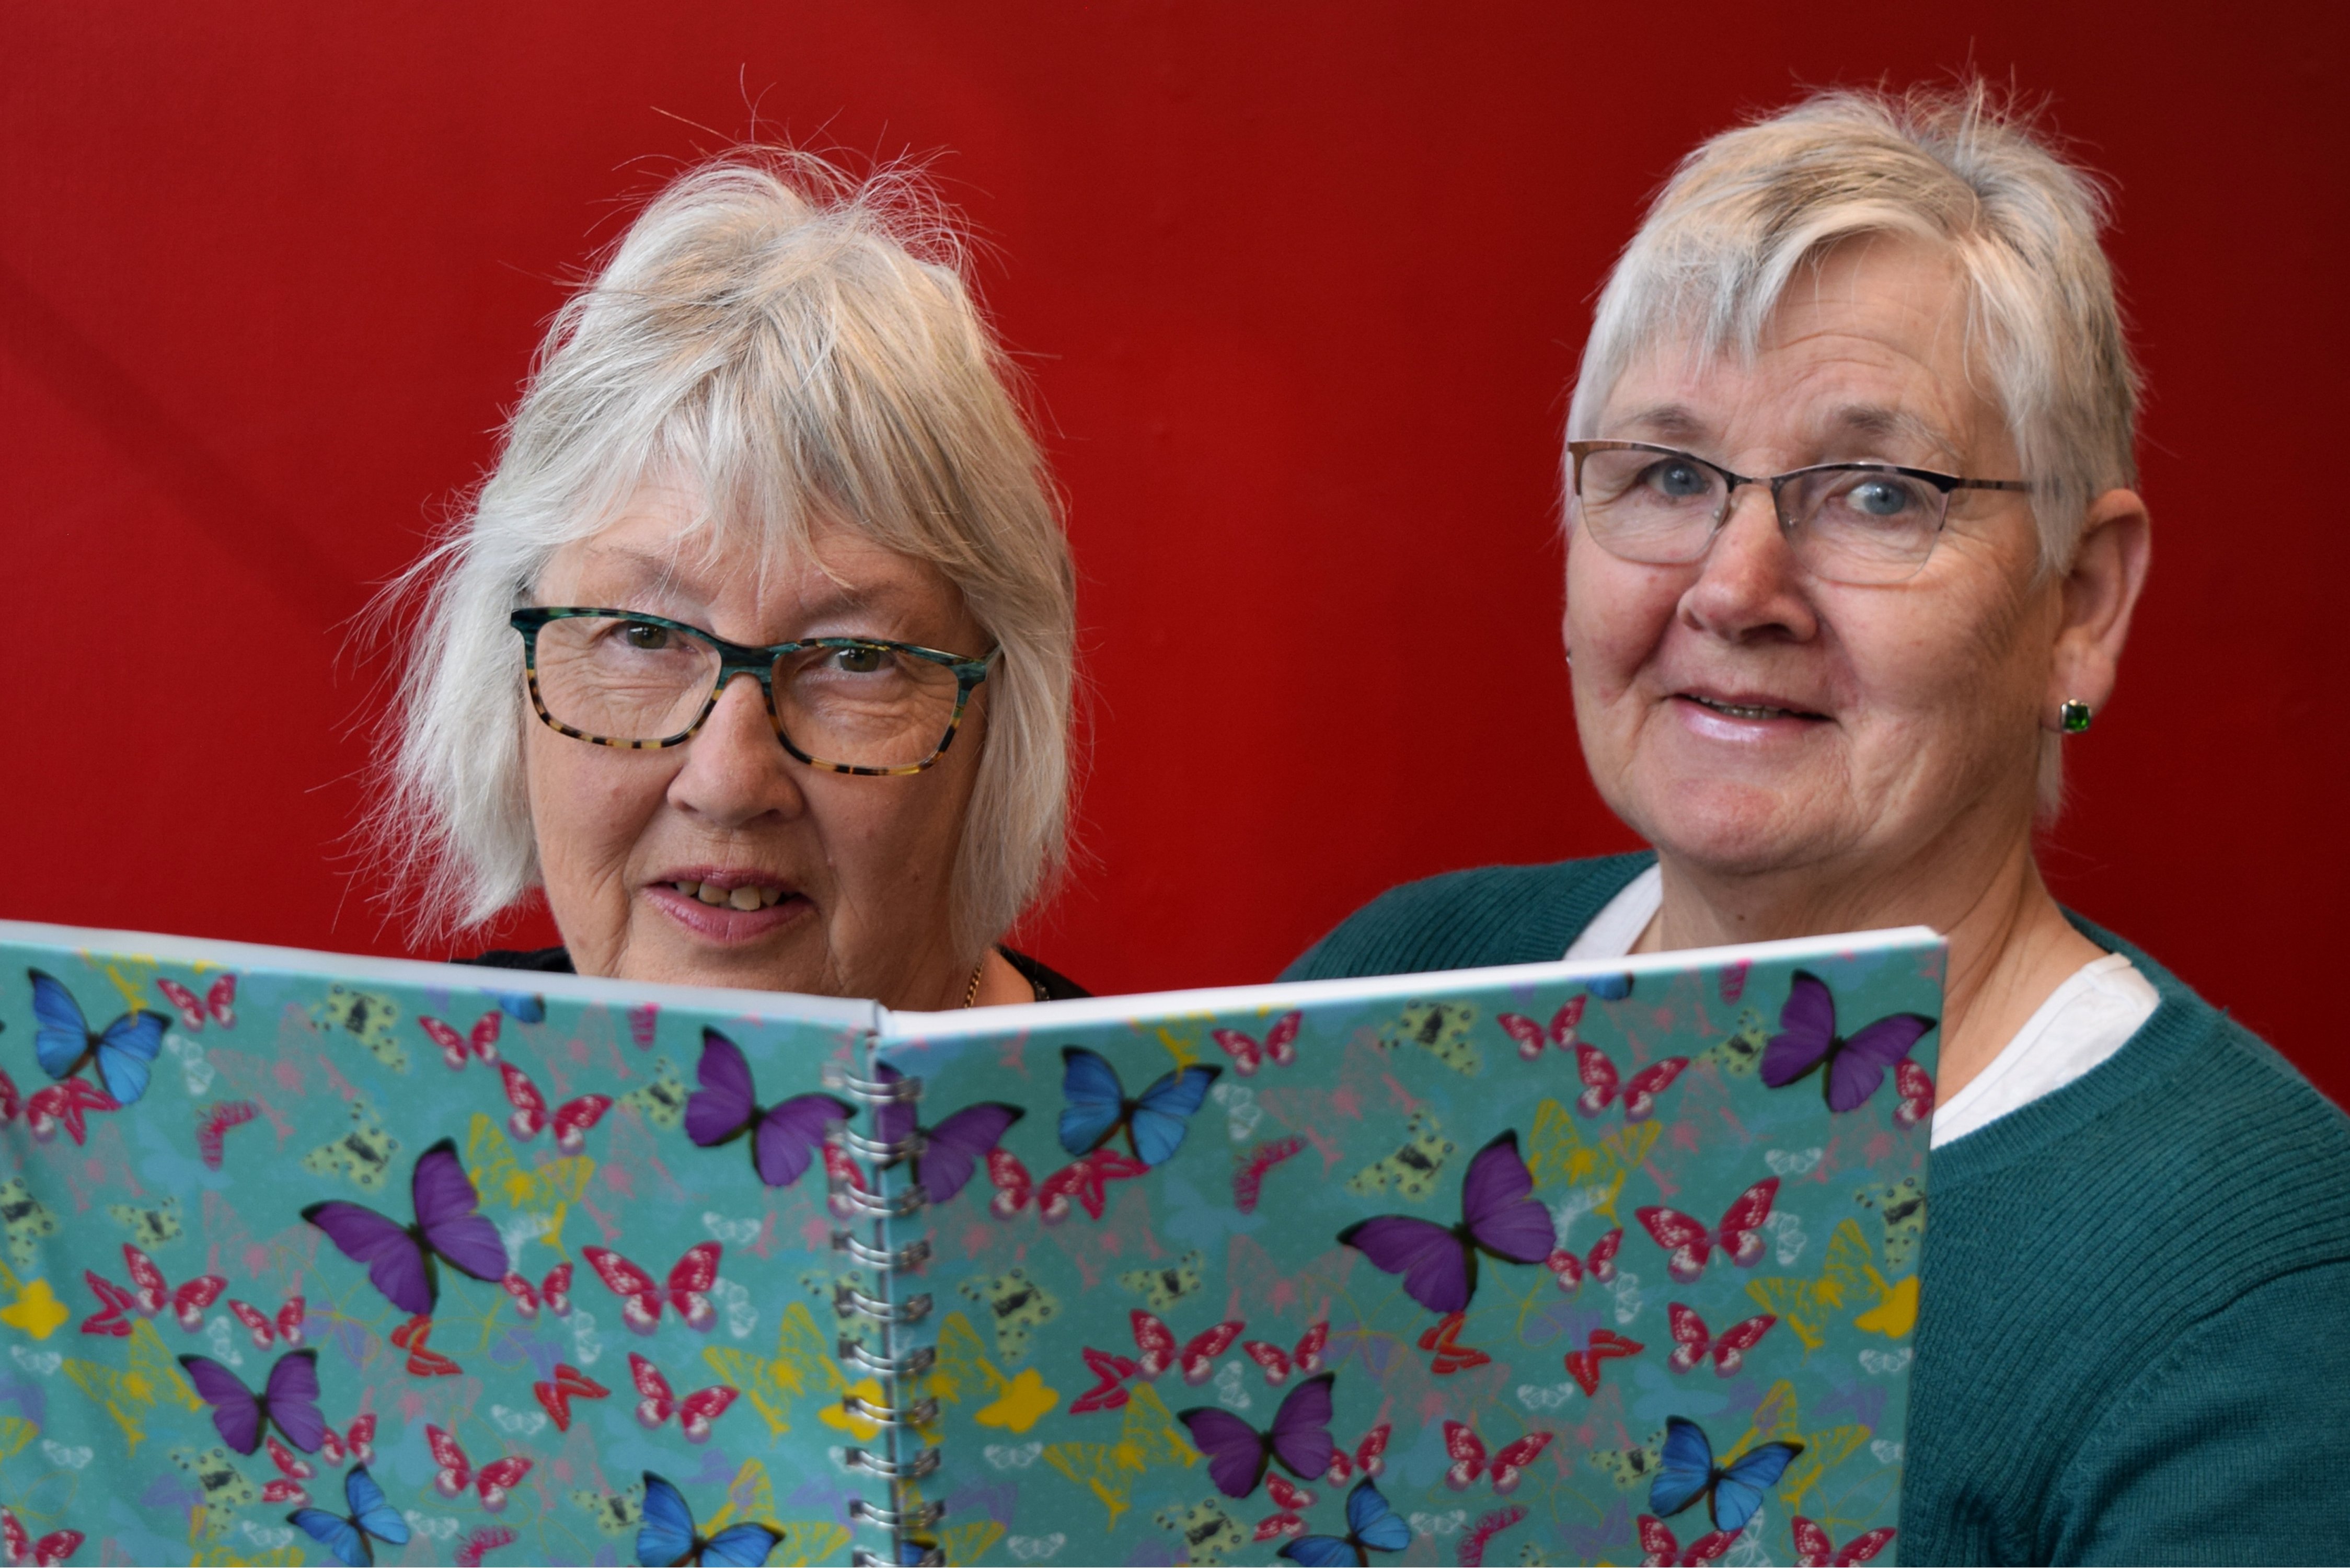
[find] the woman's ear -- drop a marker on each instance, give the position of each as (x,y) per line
(2100,590)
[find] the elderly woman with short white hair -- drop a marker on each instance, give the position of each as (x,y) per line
(1853,549)
(754,652)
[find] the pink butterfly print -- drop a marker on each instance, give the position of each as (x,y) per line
(658,1402)
(1366,1457)
(1248,1179)
(187,1304)
(1155,1343)
(554,1294)
(572,1118)
(218,1000)
(290,1465)
(1691,1342)
(469,1554)
(12,1103)
(1013,1186)
(1814,1550)
(1530,1036)
(1277,1364)
(841,1179)
(1109,1392)
(1733,980)
(688,1290)
(47,1552)
(641,1023)
(1599,1081)
(1292,1500)
(1472,1545)
(493,1481)
(1278,1046)
(415,1336)
(1598,1265)
(1447,1354)
(114,1305)
(1692,1244)
(63,1105)
(569,1383)
(212,1125)
(1085,1181)
(1605,1345)
(1468,1452)
(357,1443)
(480,1040)
(286,1325)
(1664,1550)
(1915,1087)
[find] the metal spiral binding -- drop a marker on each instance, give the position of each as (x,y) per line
(900,1458)
(904,1260)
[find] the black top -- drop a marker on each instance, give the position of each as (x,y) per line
(1049,984)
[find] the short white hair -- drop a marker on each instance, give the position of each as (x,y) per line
(785,344)
(1751,208)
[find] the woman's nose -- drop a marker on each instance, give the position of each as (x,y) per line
(1750,583)
(736,769)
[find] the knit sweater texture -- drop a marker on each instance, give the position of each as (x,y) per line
(2132,1340)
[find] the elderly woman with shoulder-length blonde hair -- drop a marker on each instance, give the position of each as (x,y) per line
(1853,548)
(754,652)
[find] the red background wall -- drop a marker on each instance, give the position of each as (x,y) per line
(1300,286)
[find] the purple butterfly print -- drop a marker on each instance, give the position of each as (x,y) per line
(1497,1215)
(400,1259)
(289,1401)
(950,1151)
(1238,1453)
(785,1138)
(1807,1038)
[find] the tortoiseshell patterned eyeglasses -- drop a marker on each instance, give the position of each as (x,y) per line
(642,682)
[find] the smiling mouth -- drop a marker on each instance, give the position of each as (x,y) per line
(742,898)
(1748,711)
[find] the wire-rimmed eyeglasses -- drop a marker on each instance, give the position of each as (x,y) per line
(1868,523)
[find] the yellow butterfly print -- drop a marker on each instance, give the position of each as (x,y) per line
(1556,1152)
(28,1220)
(750,1496)
(806,1540)
(1147,1438)
(1776,1419)
(1442,1029)
(803,1365)
(36,1310)
(15,1433)
(1023,1403)
(969,1542)
(151,1376)
(1848,1287)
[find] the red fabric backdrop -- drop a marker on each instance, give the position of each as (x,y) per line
(1300,286)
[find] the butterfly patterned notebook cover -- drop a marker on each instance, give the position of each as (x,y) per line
(1561,1263)
(316,1259)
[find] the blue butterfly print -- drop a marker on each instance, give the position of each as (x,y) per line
(1686,1472)
(1154,1121)
(1610,987)
(1371,1526)
(521,1006)
(346,1537)
(668,1536)
(124,1050)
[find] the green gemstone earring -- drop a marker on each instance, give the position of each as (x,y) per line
(2073,716)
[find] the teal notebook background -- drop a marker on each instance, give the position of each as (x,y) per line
(1105,1330)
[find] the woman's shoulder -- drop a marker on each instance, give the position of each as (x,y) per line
(1470,920)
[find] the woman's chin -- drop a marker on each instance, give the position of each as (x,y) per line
(1741,830)
(676,939)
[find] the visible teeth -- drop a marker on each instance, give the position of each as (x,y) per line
(743,897)
(1739,710)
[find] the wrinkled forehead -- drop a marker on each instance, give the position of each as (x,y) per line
(1867,349)
(662,549)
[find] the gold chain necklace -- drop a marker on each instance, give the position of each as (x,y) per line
(971,991)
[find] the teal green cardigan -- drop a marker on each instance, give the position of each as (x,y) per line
(2134,1337)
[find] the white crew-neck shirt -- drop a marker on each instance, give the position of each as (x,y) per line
(2086,1020)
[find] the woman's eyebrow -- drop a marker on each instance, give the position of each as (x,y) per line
(1676,422)
(1878,422)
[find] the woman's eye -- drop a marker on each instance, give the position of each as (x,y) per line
(859,660)
(650,639)
(1678,480)
(1879,498)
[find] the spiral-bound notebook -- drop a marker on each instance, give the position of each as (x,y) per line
(312,1257)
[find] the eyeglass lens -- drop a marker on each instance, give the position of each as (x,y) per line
(1849,525)
(868,705)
